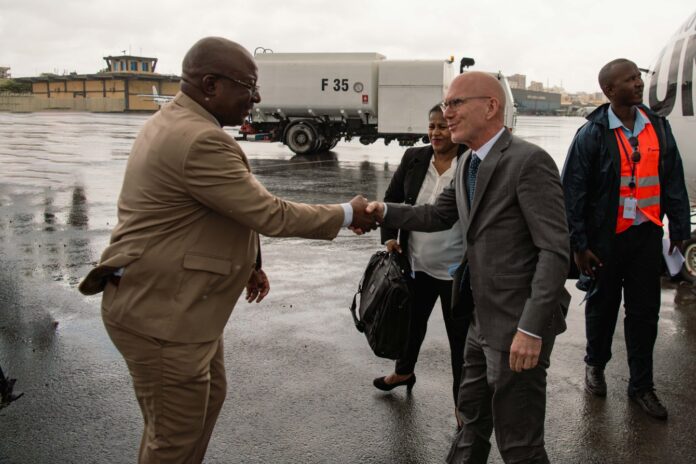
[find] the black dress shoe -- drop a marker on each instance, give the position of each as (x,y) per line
(650,403)
(594,381)
(384,386)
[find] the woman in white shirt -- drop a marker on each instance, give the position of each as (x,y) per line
(423,173)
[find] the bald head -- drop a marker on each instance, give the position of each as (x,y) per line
(215,55)
(607,74)
(483,84)
(476,108)
(220,75)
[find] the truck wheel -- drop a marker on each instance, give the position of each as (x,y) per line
(326,145)
(301,138)
(322,145)
(688,271)
(367,139)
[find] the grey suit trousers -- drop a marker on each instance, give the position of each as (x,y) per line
(490,389)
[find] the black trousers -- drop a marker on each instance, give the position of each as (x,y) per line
(426,291)
(493,396)
(633,267)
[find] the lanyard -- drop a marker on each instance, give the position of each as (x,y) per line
(632,184)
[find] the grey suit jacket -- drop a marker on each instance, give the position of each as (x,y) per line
(516,238)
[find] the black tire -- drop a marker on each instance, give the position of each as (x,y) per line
(301,137)
(322,146)
(688,271)
(367,139)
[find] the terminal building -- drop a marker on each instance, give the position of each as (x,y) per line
(128,83)
(517,81)
(536,103)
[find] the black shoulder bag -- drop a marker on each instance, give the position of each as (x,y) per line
(385,304)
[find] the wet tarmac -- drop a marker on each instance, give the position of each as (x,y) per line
(299,374)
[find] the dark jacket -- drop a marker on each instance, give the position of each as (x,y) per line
(406,184)
(591,179)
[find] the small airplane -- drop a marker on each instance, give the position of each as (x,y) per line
(156,97)
(669,90)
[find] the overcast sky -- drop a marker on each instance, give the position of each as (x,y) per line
(556,42)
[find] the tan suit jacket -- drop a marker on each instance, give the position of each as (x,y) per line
(188,217)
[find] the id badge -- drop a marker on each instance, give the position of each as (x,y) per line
(630,205)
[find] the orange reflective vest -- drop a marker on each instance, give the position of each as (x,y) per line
(639,180)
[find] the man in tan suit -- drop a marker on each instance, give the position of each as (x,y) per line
(186,245)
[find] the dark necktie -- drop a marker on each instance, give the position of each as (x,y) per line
(471,177)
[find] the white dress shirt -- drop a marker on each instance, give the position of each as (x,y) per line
(435,252)
(486,147)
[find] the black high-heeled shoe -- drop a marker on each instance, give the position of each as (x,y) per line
(384,386)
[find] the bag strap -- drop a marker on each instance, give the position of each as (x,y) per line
(402,263)
(360,325)
(380,255)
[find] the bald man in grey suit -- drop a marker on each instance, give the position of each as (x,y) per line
(509,199)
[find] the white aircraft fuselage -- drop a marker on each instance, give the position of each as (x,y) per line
(669,90)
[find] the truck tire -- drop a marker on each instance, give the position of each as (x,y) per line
(688,271)
(301,137)
(322,145)
(325,145)
(367,139)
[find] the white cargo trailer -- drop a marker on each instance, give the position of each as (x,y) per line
(309,101)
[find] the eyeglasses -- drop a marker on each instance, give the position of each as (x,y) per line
(455,103)
(253,88)
(635,156)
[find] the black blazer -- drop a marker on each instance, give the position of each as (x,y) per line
(406,184)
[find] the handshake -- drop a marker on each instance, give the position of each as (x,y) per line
(367,216)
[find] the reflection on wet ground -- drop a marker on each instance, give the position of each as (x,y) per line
(299,373)
(48,239)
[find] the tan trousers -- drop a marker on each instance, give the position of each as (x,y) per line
(180,388)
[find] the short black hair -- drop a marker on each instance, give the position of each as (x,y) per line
(606,76)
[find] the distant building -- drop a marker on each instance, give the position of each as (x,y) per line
(5,72)
(130,64)
(598,98)
(517,81)
(536,86)
(536,102)
(127,84)
(588,99)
